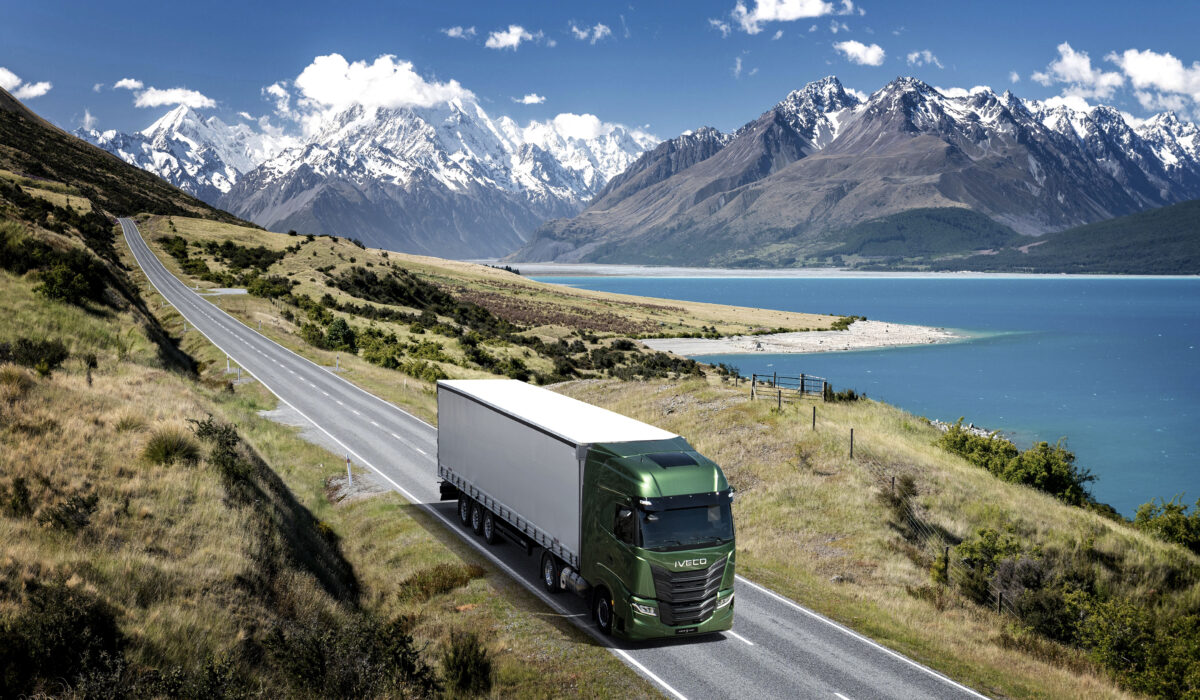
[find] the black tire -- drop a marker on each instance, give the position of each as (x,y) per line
(477,518)
(551,570)
(602,610)
(489,528)
(464,508)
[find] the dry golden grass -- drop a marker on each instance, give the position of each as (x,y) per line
(810,525)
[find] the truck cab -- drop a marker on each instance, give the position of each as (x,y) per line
(657,539)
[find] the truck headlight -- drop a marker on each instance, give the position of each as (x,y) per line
(724,602)
(644,609)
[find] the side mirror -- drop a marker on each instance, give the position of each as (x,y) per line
(624,513)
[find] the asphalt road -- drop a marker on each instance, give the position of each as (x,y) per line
(777,649)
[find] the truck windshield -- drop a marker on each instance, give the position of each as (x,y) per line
(687,528)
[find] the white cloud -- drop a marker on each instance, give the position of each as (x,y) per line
(1159,71)
(720,26)
(331,82)
(764,11)
(128,84)
(510,38)
(8,79)
(1157,101)
(246,116)
(1133,121)
(89,121)
(778,35)
(31,90)
(737,67)
(860,53)
(531,99)
(97,87)
(862,96)
(1074,102)
(922,58)
(282,98)
(581,126)
(1014,77)
(836,26)
(457,32)
(812,29)
(595,33)
(154,97)
(21,90)
(1074,69)
(962,92)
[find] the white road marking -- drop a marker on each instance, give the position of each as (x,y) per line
(397,437)
(839,695)
(353,411)
(374,424)
(418,449)
(738,636)
(339,402)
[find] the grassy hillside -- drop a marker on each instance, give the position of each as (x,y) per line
(923,233)
(1091,604)
(399,322)
(1156,242)
(161,538)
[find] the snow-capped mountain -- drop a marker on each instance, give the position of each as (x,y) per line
(822,160)
(203,157)
(446,180)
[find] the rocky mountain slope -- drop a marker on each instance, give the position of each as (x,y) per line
(203,157)
(782,187)
(446,180)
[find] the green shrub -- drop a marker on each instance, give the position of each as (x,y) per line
(340,336)
(439,579)
(1170,521)
(15,500)
(466,665)
(358,658)
(43,355)
(71,514)
(270,287)
(168,446)
(59,632)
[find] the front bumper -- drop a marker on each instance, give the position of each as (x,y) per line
(639,626)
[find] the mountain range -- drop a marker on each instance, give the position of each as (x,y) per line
(783,189)
(446,181)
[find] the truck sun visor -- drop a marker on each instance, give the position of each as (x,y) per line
(673,459)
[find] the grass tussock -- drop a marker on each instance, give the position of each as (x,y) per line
(169,445)
(437,580)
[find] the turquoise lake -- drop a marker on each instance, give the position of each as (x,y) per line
(1110,364)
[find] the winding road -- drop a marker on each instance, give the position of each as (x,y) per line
(777,649)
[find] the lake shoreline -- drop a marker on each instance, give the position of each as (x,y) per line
(862,335)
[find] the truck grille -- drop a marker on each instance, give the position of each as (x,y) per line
(687,597)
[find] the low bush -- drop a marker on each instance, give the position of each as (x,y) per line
(358,658)
(15,501)
(43,355)
(1170,521)
(436,580)
(168,446)
(467,665)
(71,514)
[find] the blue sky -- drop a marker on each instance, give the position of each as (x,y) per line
(663,66)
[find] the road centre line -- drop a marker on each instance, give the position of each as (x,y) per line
(738,636)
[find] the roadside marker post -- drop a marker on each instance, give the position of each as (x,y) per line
(349,474)
(852,443)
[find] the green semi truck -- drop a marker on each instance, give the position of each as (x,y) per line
(623,513)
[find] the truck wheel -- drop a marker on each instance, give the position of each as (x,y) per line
(489,528)
(602,610)
(477,518)
(464,508)
(550,572)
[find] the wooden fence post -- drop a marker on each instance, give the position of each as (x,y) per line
(753,383)
(852,443)
(779,399)
(801,384)
(814,418)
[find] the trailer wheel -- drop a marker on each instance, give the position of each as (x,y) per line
(550,572)
(602,610)
(489,528)
(477,518)
(464,508)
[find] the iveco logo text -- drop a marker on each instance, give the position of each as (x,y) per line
(690,562)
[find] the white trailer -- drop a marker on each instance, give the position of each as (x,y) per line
(519,451)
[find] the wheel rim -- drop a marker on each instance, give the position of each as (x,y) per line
(464,510)
(548,573)
(603,613)
(475,517)
(488,527)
